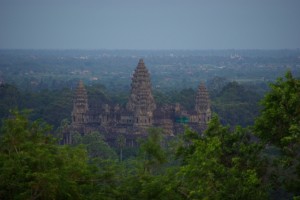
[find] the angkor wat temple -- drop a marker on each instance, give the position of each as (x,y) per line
(140,113)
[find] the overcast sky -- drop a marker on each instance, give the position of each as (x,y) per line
(150,24)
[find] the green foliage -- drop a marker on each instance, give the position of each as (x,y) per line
(236,104)
(279,121)
(186,97)
(105,179)
(51,105)
(97,94)
(121,142)
(33,166)
(279,126)
(10,98)
(221,165)
(152,151)
(95,145)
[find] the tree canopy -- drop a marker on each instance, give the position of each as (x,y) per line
(223,162)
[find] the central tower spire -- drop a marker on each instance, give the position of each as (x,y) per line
(202,106)
(141,101)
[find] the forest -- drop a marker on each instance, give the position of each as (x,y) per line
(250,150)
(257,162)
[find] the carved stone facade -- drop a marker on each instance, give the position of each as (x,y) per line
(80,112)
(202,106)
(141,102)
(139,114)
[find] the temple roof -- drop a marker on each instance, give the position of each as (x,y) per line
(202,98)
(80,84)
(141,98)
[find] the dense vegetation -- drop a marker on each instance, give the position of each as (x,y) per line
(257,162)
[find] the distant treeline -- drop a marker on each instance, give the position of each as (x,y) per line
(170,69)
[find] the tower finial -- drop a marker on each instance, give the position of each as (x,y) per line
(80,84)
(202,98)
(141,101)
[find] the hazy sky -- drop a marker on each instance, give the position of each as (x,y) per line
(150,24)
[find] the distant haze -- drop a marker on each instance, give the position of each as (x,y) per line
(149,24)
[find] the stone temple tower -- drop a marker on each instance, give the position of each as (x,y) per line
(141,102)
(80,108)
(202,106)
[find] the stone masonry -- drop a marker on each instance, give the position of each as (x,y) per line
(139,114)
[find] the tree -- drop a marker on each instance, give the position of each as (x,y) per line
(34,166)
(121,142)
(95,145)
(221,164)
(10,98)
(279,126)
(236,104)
(152,151)
(278,123)
(149,176)
(62,129)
